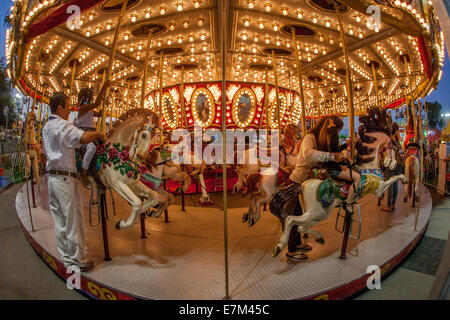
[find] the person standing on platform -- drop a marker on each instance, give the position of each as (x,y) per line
(393,189)
(60,139)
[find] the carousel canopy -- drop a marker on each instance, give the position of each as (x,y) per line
(48,46)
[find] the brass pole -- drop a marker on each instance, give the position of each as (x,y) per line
(411,100)
(278,103)
(145,76)
(183,111)
(348,81)
(72,79)
(111,60)
(300,84)
(40,114)
(318,100)
(161,90)
(224,5)
(127,105)
(266,101)
(375,82)
(160,83)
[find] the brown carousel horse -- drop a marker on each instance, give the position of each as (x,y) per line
(32,148)
(262,186)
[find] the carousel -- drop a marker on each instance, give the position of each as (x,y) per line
(159,229)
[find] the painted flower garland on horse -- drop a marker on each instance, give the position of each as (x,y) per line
(118,156)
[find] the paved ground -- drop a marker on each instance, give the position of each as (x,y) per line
(24,276)
(414,277)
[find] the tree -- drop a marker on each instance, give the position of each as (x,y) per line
(435,119)
(6,97)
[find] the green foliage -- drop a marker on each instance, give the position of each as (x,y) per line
(6,97)
(435,120)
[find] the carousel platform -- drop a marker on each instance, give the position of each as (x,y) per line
(184,259)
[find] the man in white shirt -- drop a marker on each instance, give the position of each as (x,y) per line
(60,139)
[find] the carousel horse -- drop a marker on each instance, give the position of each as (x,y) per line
(412,172)
(32,148)
(119,161)
(262,187)
(320,197)
(193,168)
(289,146)
(153,178)
(411,151)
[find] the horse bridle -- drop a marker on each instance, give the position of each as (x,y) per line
(143,128)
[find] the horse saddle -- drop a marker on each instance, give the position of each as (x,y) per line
(413,149)
(329,190)
(285,202)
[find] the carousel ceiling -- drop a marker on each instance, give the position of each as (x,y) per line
(186,32)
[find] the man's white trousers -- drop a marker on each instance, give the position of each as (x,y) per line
(67,212)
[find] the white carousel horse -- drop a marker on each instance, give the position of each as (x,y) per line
(32,148)
(262,187)
(412,172)
(321,197)
(120,159)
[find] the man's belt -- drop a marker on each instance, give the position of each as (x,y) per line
(63,173)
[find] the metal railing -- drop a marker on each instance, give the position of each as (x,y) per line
(12,169)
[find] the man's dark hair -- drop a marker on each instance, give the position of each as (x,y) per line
(58,99)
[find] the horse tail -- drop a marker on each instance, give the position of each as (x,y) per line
(253,180)
(409,174)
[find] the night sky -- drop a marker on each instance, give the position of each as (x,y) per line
(442,94)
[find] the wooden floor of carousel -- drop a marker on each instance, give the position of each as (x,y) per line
(184,259)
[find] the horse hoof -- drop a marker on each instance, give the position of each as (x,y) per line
(245,218)
(321,241)
(118,225)
(275,251)
(251,222)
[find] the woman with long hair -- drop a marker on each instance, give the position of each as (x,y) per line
(310,157)
(329,142)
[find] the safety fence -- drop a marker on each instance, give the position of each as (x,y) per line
(432,173)
(12,169)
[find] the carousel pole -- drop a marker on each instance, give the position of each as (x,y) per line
(300,84)
(145,75)
(420,140)
(411,100)
(72,79)
(224,6)
(375,83)
(351,115)
(266,100)
(161,61)
(277,95)
(40,114)
(111,60)
(318,99)
(183,107)
(102,191)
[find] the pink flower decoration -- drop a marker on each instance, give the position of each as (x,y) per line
(124,156)
(112,153)
(127,148)
(100,149)
(109,164)
(130,174)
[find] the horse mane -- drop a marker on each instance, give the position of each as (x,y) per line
(140,112)
(376,120)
